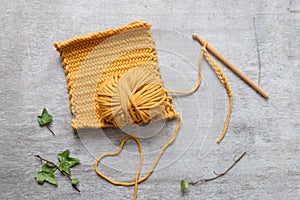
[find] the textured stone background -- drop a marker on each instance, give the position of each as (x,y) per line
(261,37)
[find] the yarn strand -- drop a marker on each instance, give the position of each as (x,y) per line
(137,179)
(219,72)
(195,88)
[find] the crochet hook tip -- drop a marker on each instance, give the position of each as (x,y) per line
(195,36)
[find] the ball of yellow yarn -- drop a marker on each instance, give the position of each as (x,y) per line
(135,98)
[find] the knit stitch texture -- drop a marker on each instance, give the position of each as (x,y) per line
(92,61)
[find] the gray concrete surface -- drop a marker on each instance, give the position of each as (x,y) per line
(261,37)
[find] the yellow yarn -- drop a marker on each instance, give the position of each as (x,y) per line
(92,61)
(137,97)
(114,80)
(225,82)
(137,179)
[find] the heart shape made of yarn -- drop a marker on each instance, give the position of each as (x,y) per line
(117,152)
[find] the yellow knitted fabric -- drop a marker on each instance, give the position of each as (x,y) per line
(94,64)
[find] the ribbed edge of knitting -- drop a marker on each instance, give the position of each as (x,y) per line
(60,46)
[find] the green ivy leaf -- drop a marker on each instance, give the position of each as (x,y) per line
(65,167)
(75,181)
(45,118)
(183,185)
(49,169)
(47,174)
(65,157)
(43,176)
(66,162)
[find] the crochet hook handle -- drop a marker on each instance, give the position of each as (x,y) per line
(232,67)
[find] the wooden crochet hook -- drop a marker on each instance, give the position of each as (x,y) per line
(232,67)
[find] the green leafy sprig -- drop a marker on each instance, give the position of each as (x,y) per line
(184,184)
(45,119)
(49,168)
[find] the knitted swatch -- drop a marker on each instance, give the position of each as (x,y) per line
(96,64)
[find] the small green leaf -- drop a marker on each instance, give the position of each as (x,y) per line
(183,185)
(65,167)
(48,168)
(64,157)
(45,118)
(43,176)
(72,161)
(75,181)
(66,162)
